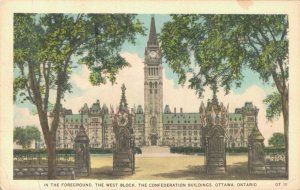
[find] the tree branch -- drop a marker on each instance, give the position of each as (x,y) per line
(253,46)
(26,84)
(268,27)
(46,73)
(277,81)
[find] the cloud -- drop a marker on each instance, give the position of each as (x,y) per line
(109,94)
(23,117)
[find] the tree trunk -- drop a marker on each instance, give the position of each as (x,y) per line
(52,157)
(285,113)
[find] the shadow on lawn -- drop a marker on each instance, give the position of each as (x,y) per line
(237,171)
(105,173)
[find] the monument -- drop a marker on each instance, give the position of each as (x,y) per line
(215,120)
(123,150)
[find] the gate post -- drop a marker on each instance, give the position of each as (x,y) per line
(256,155)
(82,152)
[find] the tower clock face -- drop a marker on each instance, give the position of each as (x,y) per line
(153,54)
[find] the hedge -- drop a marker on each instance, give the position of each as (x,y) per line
(186,150)
(16,152)
(197,150)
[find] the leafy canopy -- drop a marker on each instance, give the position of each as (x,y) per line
(25,136)
(215,48)
(277,140)
(48,42)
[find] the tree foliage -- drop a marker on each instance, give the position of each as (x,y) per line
(24,136)
(215,49)
(45,46)
(274,106)
(277,140)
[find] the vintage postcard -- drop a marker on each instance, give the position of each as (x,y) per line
(149,95)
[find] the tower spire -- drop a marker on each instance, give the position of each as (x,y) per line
(152,34)
(123,102)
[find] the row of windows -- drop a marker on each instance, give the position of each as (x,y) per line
(195,127)
(153,71)
(155,91)
(195,121)
(184,139)
(234,125)
(75,120)
(184,133)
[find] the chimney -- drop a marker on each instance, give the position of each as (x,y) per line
(175,110)
(180,110)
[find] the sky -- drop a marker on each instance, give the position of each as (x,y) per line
(174,95)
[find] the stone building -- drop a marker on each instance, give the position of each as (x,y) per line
(153,125)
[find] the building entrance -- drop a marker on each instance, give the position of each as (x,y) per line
(153,139)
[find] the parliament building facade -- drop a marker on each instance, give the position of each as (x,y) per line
(155,124)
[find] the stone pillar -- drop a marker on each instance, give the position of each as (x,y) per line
(82,153)
(256,155)
(215,155)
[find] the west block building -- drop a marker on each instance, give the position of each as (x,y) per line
(155,124)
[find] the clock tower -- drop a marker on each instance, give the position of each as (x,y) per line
(153,90)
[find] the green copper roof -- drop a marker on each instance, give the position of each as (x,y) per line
(139,119)
(235,117)
(181,118)
(108,119)
(76,118)
(95,108)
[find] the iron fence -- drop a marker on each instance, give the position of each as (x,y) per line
(41,159)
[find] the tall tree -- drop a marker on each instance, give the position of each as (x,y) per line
(216,49)
(24,136)
(44,45)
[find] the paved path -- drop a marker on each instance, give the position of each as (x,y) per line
(157,151)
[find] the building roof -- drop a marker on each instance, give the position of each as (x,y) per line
(76,118)
(108,119)
(139,109)
(139,119)
(152,34)
(235,117)
(95,109)
(181,118)
(167,109)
